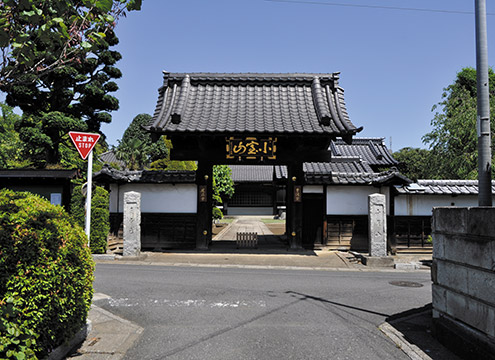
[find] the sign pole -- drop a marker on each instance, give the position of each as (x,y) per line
(84,143)
(89,185)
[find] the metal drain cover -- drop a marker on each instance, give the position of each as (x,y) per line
(405,283)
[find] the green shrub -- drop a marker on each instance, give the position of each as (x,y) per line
(100,216)
(217,213)
(17,340)
(46,275)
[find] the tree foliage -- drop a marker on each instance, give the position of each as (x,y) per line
(415,163)
(58,68)
(136,148)
(11,146)
(453,139)
(100,216)
(40,37)
(224,185)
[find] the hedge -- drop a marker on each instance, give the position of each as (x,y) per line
(100,216)
(46,275)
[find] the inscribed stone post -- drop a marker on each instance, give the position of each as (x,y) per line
(132,223)
(377,225)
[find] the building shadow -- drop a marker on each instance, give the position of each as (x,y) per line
(416,328)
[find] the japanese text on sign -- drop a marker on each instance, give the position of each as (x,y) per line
(84,142)
(251,148)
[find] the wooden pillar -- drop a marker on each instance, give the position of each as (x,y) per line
(274,198)
(204,181)
(295,181)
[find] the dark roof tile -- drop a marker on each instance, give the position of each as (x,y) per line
(372,150)
(110,175)
(262,103)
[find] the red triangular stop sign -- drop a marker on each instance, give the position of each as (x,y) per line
(85,142)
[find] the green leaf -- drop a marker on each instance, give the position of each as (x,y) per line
(86,45)
(104,5)
(28,13)
(134,5)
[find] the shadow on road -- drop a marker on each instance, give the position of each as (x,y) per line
(416,327)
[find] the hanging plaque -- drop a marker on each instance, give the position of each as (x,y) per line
(251,148)
(297,194)
(202,193)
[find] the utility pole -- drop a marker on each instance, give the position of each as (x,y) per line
(483,118)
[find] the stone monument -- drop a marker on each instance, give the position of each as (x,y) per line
(377,232)
(132,224)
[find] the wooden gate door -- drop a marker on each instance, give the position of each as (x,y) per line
(313,212)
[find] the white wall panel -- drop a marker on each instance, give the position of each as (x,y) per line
(352,200)
(158,198)
(422,205)
(313,189)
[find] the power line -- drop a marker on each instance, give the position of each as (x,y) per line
(376,7)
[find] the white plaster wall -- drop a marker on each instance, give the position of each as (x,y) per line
(114,198)
(352,200)
(422,205)
(157,198)
(313,189)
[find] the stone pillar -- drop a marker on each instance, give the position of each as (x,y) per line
(132,223)
(377,225)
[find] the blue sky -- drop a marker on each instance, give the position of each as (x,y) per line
(394,64)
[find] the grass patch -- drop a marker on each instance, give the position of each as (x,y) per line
(273,221)
(225,220)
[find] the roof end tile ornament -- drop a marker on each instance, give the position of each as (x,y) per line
(318,100)
(184,93)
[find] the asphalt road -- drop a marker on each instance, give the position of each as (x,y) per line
(225,313)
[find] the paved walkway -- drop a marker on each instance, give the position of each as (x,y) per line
(243,224)
(266,239)
(110,337)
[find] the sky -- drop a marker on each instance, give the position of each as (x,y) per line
(394,63)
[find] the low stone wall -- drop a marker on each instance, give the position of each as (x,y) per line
(463,275)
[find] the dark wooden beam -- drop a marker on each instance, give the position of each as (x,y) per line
(204,181)
(295,205)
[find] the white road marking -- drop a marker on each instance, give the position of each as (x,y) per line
(126,302)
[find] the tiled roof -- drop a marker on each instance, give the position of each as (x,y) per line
(110,175)
(251,173)
(352,173)
(443,187)
(391,176)
(38,173)
(372,150)
(356,166)
(252,103)
(109,157)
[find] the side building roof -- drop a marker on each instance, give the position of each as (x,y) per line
(372,150)
(250,103)
(252,173)
(110,175)
(442,187)
(345,173)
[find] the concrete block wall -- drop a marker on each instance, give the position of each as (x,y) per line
(463,275)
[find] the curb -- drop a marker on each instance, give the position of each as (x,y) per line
(63,350)
(224,230)
(102,342)
(412,351)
